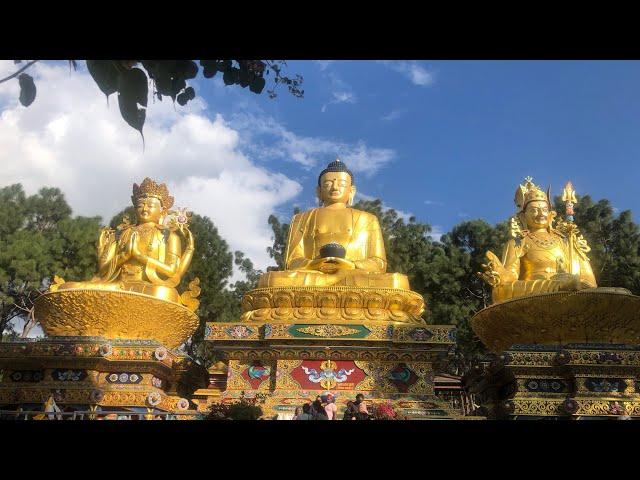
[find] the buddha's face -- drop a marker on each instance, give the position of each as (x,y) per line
(336,187)
(149,209)
(537,214)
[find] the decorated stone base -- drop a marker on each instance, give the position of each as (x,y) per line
(290,364)
(98,374)
(574,381)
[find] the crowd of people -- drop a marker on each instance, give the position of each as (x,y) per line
(324,408)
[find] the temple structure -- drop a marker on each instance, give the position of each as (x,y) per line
(564,347)
(333,320)
(111,341)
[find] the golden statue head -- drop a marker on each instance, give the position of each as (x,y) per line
(152,200)
(534,207)
(335,184)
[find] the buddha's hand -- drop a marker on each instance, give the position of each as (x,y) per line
(494,271)
(188,236)
(135,250)
(331,264)
(106,238)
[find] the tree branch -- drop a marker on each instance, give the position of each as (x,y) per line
(19,71)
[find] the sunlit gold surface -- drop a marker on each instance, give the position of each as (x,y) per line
(147,257)
(359,232)
(114,314)
(333,289)
(540,258)
(332,305)
(599,315)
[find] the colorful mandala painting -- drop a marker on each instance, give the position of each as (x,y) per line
(239,331)
(403,377)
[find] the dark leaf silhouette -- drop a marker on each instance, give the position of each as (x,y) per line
(105,75)
(133,90)
(27,89)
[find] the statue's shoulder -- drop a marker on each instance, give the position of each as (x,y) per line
(300,219)
(364,217)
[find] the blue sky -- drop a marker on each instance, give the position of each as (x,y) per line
(446,141)
(464,133)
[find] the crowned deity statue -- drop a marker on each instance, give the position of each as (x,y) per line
(146,257)
(335,245)
(541,257)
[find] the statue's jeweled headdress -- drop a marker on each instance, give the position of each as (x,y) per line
(149,188)
(336,166)
(529,192)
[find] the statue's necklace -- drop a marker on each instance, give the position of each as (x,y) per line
(547,242)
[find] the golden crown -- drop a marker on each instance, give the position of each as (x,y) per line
(149,188)
(529,192)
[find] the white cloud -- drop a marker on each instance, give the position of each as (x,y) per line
(433,202)
(341,92)
(324,64)
(394,115)
(401,213)
(309,152)
(436,232)
(68,138)
(412,70)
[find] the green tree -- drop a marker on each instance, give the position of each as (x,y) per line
(39,239)
(614,241)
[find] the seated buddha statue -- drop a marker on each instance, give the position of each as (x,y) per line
(145,257)
(335,245)
(541,257)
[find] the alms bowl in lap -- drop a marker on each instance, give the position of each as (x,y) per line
(114,314)
(595,316)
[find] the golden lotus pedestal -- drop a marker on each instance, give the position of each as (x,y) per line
(114,314)
(292,344)
(566,354)
(105,351)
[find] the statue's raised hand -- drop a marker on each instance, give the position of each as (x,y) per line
(188,236)
(135,250)
(494,271)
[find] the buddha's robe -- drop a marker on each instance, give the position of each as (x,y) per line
(357,231)
(533,260)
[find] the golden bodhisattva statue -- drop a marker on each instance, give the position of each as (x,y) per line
(146,257)
(335,244)
(134,293)
(335,267)
(541,257)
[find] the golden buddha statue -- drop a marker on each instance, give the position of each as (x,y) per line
(335,245)
(147,257)
(540,258)
(133,296)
